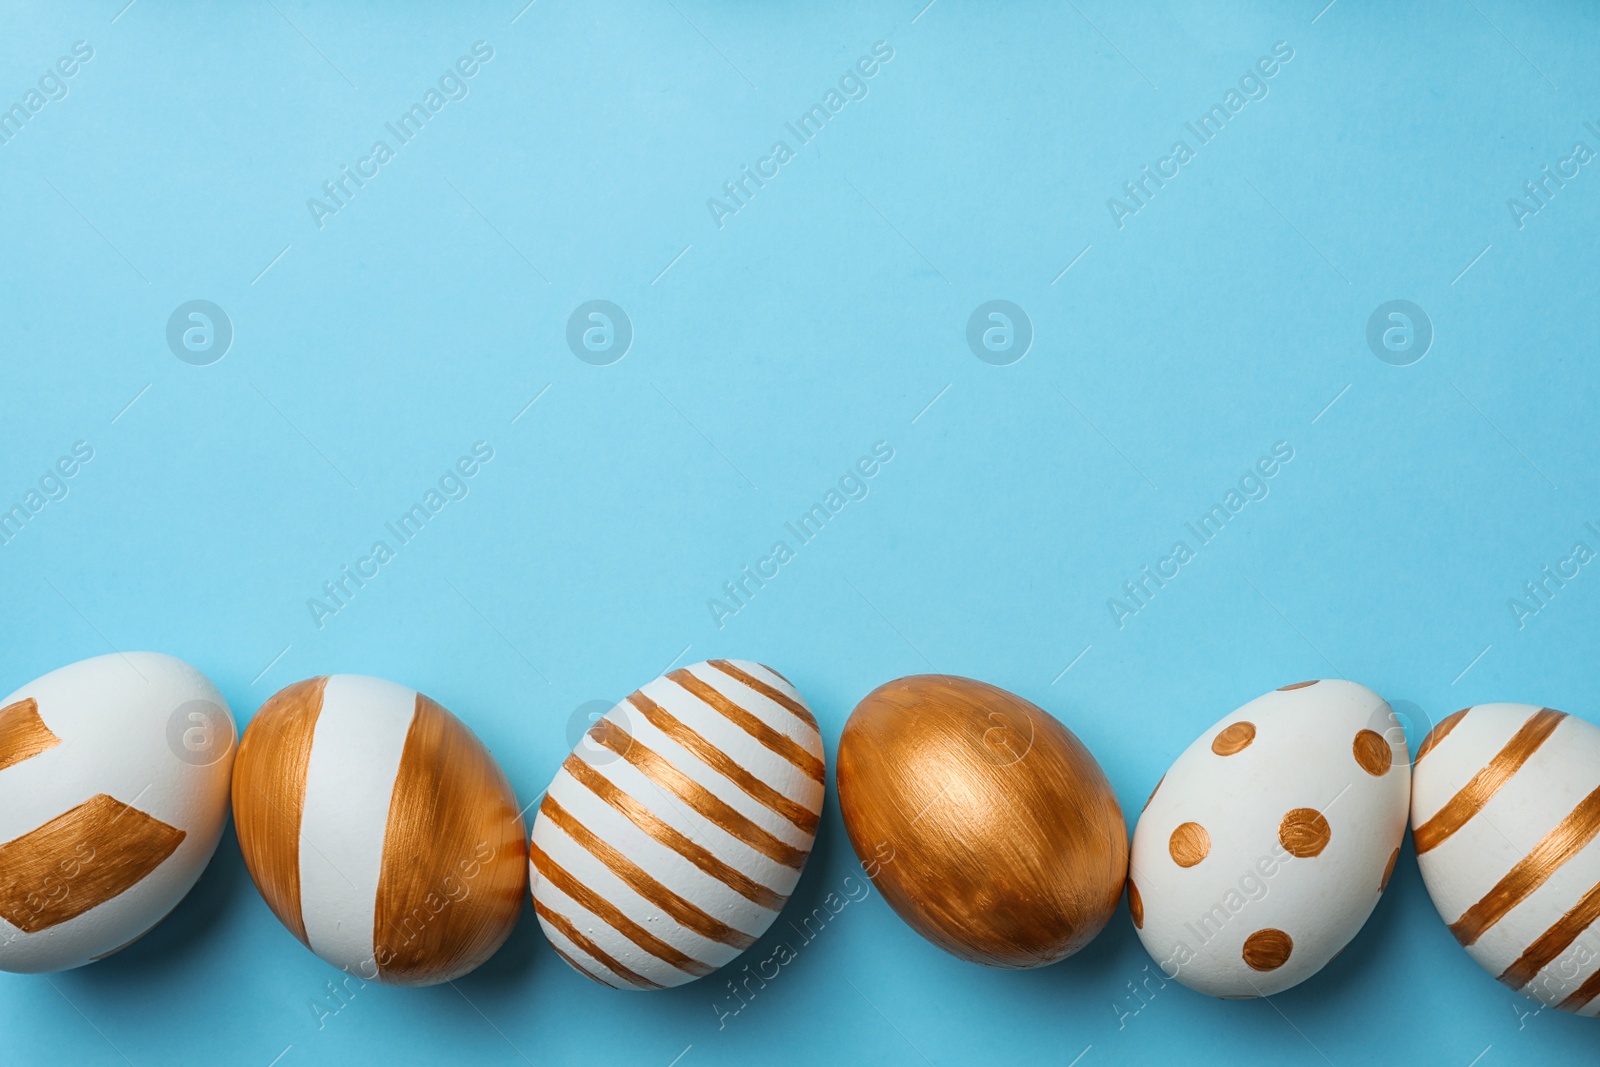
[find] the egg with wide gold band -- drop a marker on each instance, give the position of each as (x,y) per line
(986,824)
(379,829)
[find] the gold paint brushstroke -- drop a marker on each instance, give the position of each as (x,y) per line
(1234,739)
(575,965)
(1372,752)
(777,696)
(1440,732)
(660,771)
(1579,998)
(23,735)
(269,794)
(636,878)
(1267,950)
(1189,844)
(613,916)
(803,818)
(1554,941)
(1304,832)
(98,850)
(1482,787)
(664,834)
(1532,871)
(577,937)
(774,741)
(451,802)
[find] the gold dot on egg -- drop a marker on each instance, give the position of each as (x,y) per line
(1236,738)
(1297,685)
(1135,905)
(1267,950)
(1152,795)
(1388,870)
(1189,844)
(1304,832)
(1372,752)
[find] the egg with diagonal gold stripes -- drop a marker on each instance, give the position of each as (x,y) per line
(1505,815)
(113,796)
(379,829)
(677,828)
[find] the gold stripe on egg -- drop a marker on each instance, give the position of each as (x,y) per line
(641,882)
(613,916)
(575,965)
(96,851)
(450,804)
(664,834)
(577,937)
(661,772)
(1532,871)
(1440,732)
(1482,787)
(23,735)
(269,795)
(1579,998)
(1554,941)
(725,765)
(774,741)
(772,693)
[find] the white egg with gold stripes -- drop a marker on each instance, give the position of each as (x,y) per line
(677,828)
(113,796)
(379,829)
(1505,814)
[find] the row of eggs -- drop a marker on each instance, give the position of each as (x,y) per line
(384,836)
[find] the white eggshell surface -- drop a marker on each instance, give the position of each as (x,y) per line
(1505,811)
(1269,841)
(676,830)
(114,776)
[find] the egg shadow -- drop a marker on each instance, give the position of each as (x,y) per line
(1115,956)
(168,948)
(1385,927)
(514,963)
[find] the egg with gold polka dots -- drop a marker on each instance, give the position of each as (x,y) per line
(1269,841)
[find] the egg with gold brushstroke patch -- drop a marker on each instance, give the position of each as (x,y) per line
(677,828)
(1505,817)
(113,796)
(379,829)
(1269,841)
(986,824)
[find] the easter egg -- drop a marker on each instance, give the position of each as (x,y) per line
(987,826)
(1270,839)
(1505,809)
(677,828)
(113,796)
(379,829)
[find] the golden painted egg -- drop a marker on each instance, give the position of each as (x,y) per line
(985,823)
(380,831)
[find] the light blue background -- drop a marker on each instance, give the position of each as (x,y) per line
(823,317)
